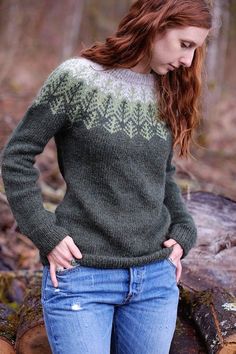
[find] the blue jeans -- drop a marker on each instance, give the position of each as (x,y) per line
(104,310)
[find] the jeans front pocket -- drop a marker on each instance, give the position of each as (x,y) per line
(44,282)
(170,262)
(68,270)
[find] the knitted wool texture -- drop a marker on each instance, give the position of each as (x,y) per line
(114,153)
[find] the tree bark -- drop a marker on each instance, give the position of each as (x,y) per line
(186,339)
(213,311)
(8,325)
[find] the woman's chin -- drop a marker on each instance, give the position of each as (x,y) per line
(161,71)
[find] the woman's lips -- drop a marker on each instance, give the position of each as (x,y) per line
(171,67)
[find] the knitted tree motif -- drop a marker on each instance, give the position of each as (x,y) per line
(158,127)
(112,125)
(73,105)
(52,91)
(146,131)
(106,112)
(124,117)
(132,93)
(138,116)
(118,91)
(131,129)
(151,114)
(89,105)
(161,129)
(114,122)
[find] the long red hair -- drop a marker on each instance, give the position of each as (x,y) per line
(179,91)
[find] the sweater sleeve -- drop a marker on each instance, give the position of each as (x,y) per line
(43,119)
(182,228)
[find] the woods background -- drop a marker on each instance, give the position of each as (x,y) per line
(35,37)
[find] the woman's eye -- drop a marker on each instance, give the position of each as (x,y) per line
(185,45)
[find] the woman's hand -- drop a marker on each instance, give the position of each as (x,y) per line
(61,255)
(175,255)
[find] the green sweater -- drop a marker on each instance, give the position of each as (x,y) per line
(121,201)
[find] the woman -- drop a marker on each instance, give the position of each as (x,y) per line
(112,250)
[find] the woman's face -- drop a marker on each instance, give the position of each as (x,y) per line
(176,47)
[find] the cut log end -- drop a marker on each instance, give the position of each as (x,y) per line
(34,341)
(229,349)
(6,347)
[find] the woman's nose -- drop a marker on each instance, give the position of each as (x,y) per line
(187,59)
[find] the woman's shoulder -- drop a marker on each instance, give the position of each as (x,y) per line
(68,72)
(75,65)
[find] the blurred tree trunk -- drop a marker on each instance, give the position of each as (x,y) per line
(9,35)
(216,54)
(71,27)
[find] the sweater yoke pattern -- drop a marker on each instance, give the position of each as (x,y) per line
(80,92)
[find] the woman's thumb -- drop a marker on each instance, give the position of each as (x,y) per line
(74,249)
(170,242)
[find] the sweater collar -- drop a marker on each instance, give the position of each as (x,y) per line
(126,74)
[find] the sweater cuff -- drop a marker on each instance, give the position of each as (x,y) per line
(46,237)
(185,235)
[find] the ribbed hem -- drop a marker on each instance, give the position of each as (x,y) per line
(97,261)
(185,236)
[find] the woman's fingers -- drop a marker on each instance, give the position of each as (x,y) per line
(178,270)
(61,256)
(177,249)
(66,263)
(74,250)
(175,256)
(53,268)
(53,274)
(170,242)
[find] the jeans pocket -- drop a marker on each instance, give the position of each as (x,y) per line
(44,282)
(170,262)
(68,270)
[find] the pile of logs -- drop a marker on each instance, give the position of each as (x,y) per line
(22,327)
(207,305)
